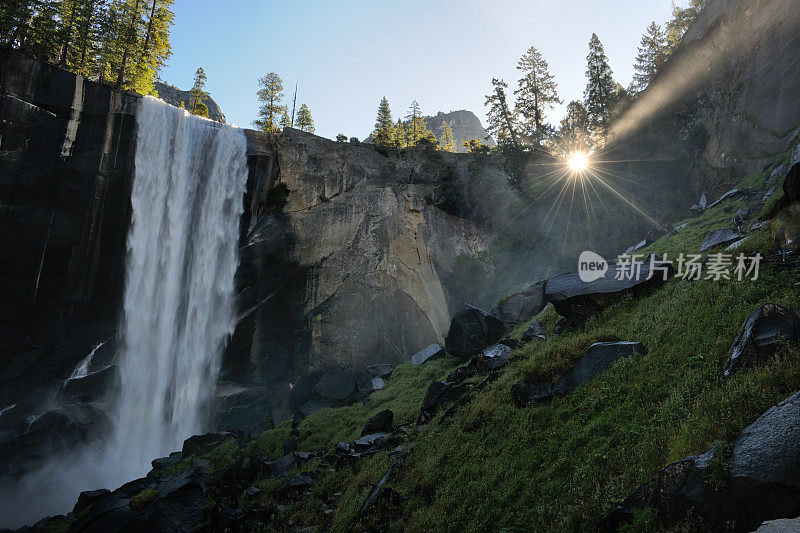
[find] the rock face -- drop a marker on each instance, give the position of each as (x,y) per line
(760,335)
(761,481)
(597,358)
(174,96)
(746,44)
(434,351)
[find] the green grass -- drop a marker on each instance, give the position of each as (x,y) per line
(143,499)
(564,465)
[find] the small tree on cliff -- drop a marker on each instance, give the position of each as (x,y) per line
(304,120)
(501,121)
(286,121)
(448,142)
(270,95)
(652,54)
(196,105)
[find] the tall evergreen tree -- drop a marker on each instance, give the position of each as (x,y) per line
(304,120)
(197,92)
(270,96)
(600,93)
(448,142)
(385,132)
(653,52)
(536,94)
(501,121)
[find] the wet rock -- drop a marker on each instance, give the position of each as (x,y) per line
(89,497)
(378,384)
(290,445)
(92,387)
(380,422)
(472,330)
(595,360)
(576,300)
(376,490)
(336,384)
(761,481)
(434,351)
(164,462)
(493,357)
(520,307)
(380,370)
(438,394)
(760,335)
(308,408)
(298,483)
(535,331)
(719,237)
(281,466)
(202,444)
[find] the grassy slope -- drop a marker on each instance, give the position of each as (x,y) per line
(564,465)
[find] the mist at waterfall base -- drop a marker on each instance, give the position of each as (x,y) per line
(186,198)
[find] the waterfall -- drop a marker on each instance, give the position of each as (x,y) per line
(179,311)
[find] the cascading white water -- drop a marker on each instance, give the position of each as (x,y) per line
(182,255)
(190,176)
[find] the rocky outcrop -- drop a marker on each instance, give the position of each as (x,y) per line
(466,127)
(174,96)
(760,336)
(732,487)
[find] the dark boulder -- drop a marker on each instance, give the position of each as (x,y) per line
(535,331)
(374,496)
(493,358)
(595,360)
(472,330)
(434,351)
(89,497)
(202,444)
(782,525)
(298,483)
(760,335)
(754,479)
(719,237)
(308,408)
(164,462)
(380,370)
(377,384)
(576,300)
(91,387)
(380,422)
(520,307)
(439,393)
(336,384)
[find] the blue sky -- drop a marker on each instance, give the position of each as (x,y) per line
(346,54)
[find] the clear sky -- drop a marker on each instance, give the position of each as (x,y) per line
(346,54)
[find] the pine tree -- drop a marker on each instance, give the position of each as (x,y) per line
(197,93)
(536,94)
(651,56)
(401,138)
(384,134)
(304,120)
(573,131)
(270,96)
(501,121)
(448,142)
(599,96)
(286,121)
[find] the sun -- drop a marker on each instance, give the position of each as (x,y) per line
(578,161)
